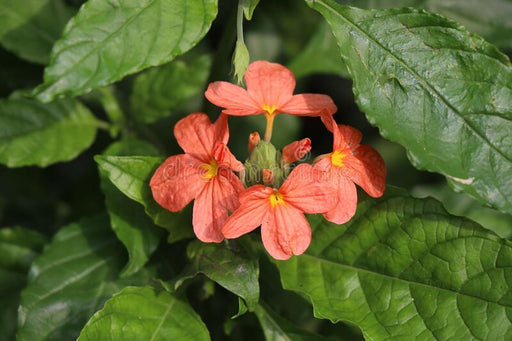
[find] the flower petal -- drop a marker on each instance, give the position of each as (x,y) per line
(308,105)
(176,182)
(211,207)
(196,135)
(307,191)
(234,99)
(285,232)
(208,215)
(367,169)
(220,128)
(225,158)
(345,136)
(230,190)
(270,84)
(296,150)
(349,137)
(347,202)
(254,206)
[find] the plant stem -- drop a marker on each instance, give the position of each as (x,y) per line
(112,109)
(103,125)
(111,106)
(240,22)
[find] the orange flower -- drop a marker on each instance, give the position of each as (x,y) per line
(203,173)
(285,230)
(269,91)
(350,163)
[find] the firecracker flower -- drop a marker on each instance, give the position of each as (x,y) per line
(285,230)
(349,163)
(204,173)
(269,91)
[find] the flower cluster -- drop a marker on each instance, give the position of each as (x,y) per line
(268,191)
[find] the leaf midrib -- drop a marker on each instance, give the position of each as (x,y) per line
(164,317)
(397,279)
(422,82)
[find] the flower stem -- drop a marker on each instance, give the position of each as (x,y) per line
(270,124)
(240,21)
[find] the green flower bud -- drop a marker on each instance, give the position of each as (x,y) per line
(264,156)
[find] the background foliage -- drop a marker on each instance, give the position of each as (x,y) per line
(90,91)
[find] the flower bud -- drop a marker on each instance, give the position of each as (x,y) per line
(268,177)
(263,157)
(254,139)
(296,150)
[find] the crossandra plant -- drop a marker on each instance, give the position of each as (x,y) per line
(140,202)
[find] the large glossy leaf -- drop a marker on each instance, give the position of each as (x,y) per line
(143,314)
(404,269)
(492,19)
(441,92)
(132,226)
(29,28)
(160,90)
(18,247)
(233,269)
(108,40)
(70,281)
(131,175)
(38,134)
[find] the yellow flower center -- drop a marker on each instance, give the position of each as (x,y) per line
(275,199)
(210,169)
(337,158)
(269,109)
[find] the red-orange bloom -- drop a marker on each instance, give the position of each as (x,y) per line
(269,91)
(350,163)
(285,230)
(204,173)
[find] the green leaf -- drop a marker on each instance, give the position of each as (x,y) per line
(249,6)
(29,28)
(230,268)
(404,269)
(492,19)
(18,247)
(277,328)
(108,40)
(159,91)
(320,55)
(131,175)
(439,91)
(69,281)
(38,134)
(143,314)
(128,219)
